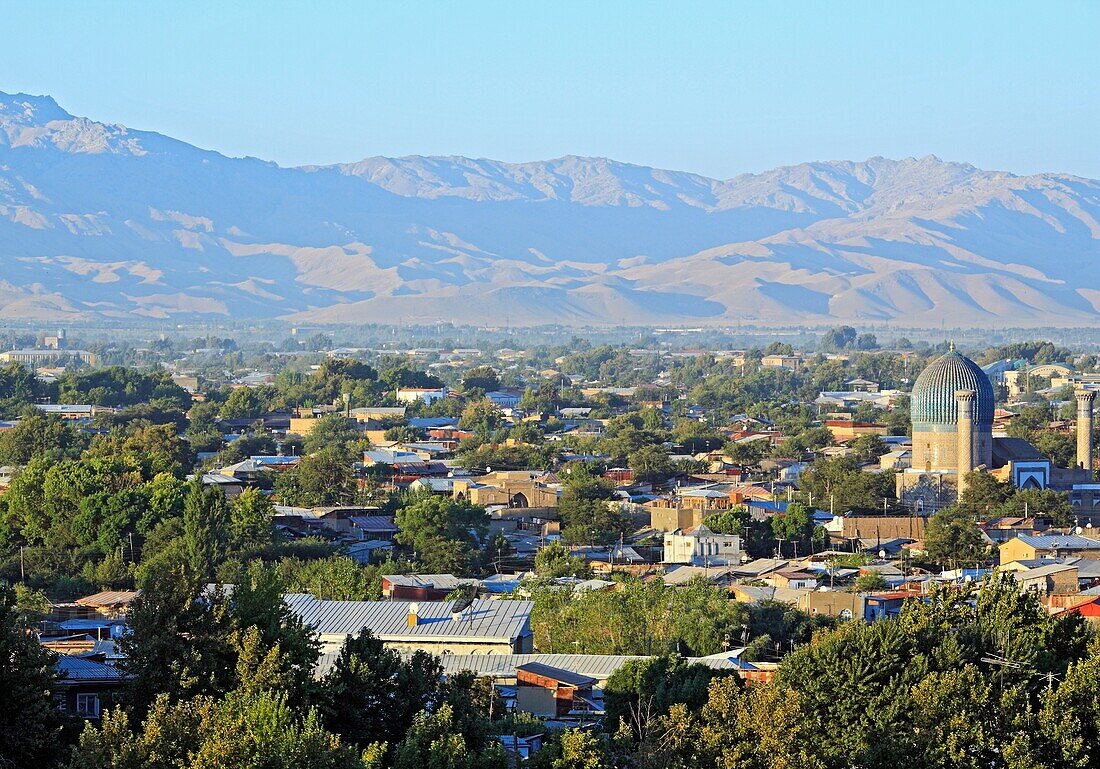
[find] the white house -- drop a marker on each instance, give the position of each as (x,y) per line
(702,547)
(423,394)
(503,400)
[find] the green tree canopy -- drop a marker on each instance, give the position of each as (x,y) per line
(444,535)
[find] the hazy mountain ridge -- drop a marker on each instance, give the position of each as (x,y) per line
(101,219)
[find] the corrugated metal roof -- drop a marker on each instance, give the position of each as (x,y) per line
(596,666)
(78,669)
(1061,541)
(561,675)
(373,523)
(431,581)
(484,621)
(108,598)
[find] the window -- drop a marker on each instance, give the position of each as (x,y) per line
(87,705)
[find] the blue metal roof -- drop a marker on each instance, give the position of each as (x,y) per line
(77,669)
(1060,542)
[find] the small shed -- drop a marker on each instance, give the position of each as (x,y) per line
(544,690)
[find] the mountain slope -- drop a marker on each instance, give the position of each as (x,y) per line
(99,219)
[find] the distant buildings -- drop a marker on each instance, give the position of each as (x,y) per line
(35,357)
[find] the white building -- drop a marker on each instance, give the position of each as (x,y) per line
(702,547)
(423,394)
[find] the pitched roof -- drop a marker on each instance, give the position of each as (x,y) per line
(108,598)
(1059,541)
(373,523)
(437,581)
(557,674)
(1044,571)
(484,621)
(72,669)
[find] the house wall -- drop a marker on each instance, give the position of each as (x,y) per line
(832,603)
(673,518)
(536,701)
(301,425)
(882,527)
(1016,550)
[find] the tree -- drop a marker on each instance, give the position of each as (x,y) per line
(982,494)
(254,729)
(154,448)
(322,479)
(30,723)
(372,694)
(260,615)
(870,582)
(120,386)
(642,691)
(757,728)
(38,435)
(19,388)
(443,534)
(243,403)
(167,497)
(581,749)
(586,515)
(337,432)
(840,483)
(868,448)
(483,378)
(335,578)
(795,524)
(554,560)
(179,645)
(1070,716)
(839,338)
(205,529)
(866,342)
(202,426)
(960,721)
(951,537)
(857,678)
(250,516)
(1041,503)
(731,521)
(650,463)
(435,741)
(638,618)
(482,417)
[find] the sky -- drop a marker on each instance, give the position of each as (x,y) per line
(719,88)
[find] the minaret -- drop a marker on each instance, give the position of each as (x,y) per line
(1084,427)
(965,400)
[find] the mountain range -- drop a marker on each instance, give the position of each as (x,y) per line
(99,220)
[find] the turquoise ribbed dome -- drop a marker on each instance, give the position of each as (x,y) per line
(933,400)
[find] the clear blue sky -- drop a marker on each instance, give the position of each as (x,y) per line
(714,87)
